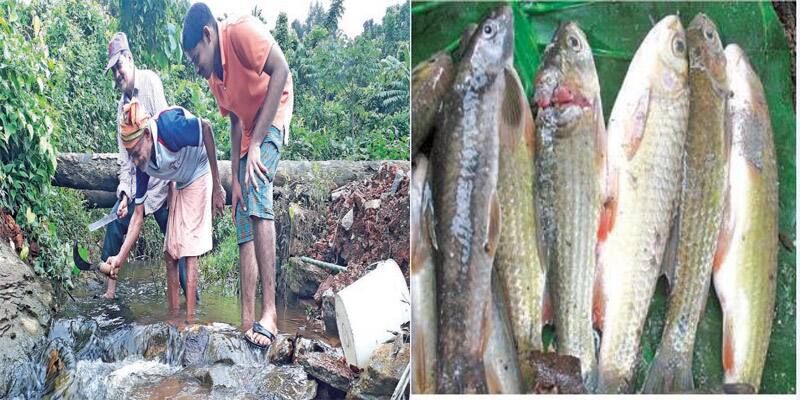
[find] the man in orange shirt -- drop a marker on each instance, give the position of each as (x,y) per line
(251,81)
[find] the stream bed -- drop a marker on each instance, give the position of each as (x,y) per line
(127,348)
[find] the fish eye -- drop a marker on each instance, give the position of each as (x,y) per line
(489,30)
(574,43)
(678,46)
(709,34)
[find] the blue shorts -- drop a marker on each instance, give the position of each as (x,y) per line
(259,202)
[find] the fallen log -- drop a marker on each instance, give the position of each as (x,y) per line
(99,198)
(96,174)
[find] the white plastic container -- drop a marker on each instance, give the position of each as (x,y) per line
(370,309)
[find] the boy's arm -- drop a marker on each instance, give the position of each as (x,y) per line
(236,146)
(218,193)
(278,71)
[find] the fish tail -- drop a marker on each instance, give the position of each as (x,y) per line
(670,372)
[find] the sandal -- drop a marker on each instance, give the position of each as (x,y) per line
(259,329)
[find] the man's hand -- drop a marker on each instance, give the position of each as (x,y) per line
(236,198)
(122,210)
(218,200)
(115,262)
(254,167)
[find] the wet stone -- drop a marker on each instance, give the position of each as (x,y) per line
(194,345)
(382,374)
(303,346)
(280,352)
(285,382)
(220,375)
(329,312)
(227,345)
(328,367)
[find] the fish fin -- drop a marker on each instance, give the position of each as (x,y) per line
(727,344)
(601,138)
(670,372)
(608,213)
(493,228)
(726,228)
(598,297)
(530,129)
(512,109)
(670,257)
(634,128)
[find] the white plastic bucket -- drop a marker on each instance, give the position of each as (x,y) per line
(370,309)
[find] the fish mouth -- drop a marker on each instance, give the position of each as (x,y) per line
(560,96)
(558,103)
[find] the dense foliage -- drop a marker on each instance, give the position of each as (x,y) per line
(351,98)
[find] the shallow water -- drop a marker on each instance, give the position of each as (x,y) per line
(127,348)
(141,298)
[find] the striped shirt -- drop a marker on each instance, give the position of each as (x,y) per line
(148,90)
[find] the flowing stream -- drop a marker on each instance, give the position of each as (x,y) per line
(128,349)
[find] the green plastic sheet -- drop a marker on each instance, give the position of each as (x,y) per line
(614,31)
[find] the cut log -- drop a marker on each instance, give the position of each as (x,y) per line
(97,173)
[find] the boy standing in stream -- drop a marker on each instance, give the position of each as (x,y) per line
(250,79)
(173,146)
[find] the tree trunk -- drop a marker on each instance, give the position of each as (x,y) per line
(96,174)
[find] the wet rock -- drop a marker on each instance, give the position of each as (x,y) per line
(195,341)
(281,351)
(329,312)
(153,342)
(382,374)
(303,346)
(327,367)
(26,304)
(220,375)
(285,382)
(302,278)
(227,345)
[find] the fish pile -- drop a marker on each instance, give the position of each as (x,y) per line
(529,212)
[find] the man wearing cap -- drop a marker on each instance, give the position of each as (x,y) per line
(250,79)
(173,146)
(146,86)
